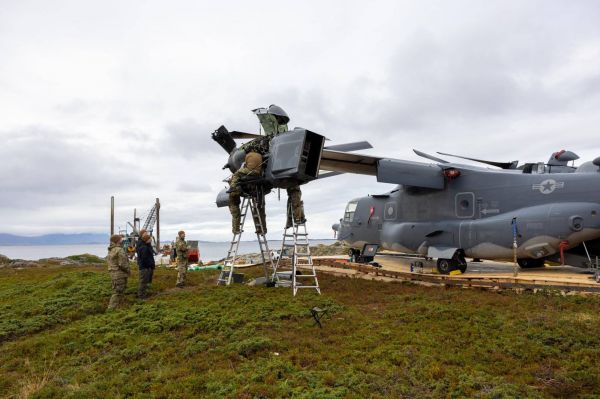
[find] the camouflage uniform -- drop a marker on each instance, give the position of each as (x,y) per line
(118,268)
(270,124)
(295,199)
(182,260)
(259,146)
(272,127)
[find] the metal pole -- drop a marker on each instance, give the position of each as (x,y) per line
(515,233)
(112,216)
(157,225)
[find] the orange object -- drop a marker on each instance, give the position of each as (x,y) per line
(193,255)
(564,244)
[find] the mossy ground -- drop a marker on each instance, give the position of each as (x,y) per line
(86,258)
(382,340)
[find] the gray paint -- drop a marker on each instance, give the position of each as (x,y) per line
(436,215)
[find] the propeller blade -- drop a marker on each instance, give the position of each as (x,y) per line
(358,145)
(424,155)
(329,174)
(243,135)
(502,165)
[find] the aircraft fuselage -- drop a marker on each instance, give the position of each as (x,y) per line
(474,213)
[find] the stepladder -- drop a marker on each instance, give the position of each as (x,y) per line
(295,265)
(255,204)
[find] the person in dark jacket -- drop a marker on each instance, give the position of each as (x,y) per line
(146,265)
(139,242)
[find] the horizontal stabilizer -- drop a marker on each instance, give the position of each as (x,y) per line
(356,146)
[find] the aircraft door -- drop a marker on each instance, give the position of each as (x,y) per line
(464,205)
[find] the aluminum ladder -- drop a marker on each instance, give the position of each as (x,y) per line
(295,240)
(226,275)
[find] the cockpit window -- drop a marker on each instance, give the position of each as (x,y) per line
(350,210)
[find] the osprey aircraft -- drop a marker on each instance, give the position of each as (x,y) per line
(450,211)
(445,210)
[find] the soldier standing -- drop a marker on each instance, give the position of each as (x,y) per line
(118,268)
(181,249)
(139,242)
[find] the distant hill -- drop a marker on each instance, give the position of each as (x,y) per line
(54,239)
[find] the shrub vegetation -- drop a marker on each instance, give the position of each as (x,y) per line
(381,340)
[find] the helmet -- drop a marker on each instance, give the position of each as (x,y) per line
(280,114)
(275,110)
(273,119)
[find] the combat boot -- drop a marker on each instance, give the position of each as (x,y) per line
(299,217)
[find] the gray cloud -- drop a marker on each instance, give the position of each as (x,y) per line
(189,138)
(41,164)
(129,110)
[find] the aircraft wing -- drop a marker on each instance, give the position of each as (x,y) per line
(336,161)
(387,170)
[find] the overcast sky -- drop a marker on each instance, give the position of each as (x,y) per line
(101,98)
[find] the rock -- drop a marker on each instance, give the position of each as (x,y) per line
(337,248)
(58,261)
(21,264)
(4,260)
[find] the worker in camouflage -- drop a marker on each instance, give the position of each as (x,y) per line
(255,150)
(297,207)
(273,120)
(118,268)
(252,167)
(181,249)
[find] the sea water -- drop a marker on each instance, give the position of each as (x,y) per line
(208,250)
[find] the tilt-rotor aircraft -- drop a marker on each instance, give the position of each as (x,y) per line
(448,211)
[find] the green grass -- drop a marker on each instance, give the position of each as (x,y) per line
(382,340)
